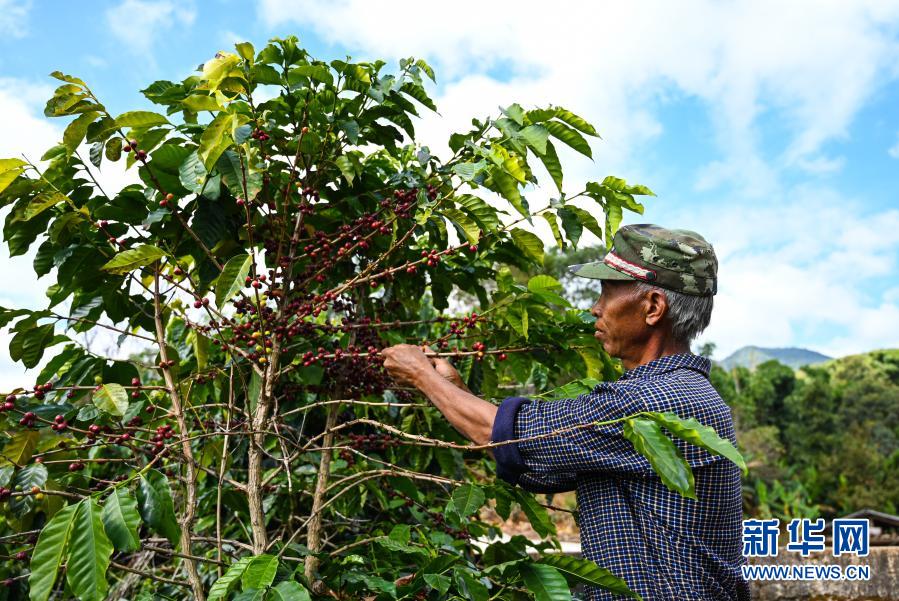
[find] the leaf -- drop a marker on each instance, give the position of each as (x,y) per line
(554,226)
(28,477)
(666,460)
(569,136)
(48,553)
(584,571)
(571,390)
(535,136)
(289,591)
(223,585)
(347,167)
(245,50)
(155,504)
(571,224)
(41,203)
(232,278)
(613,220)
(121,520)
(466,224)
(537,514)
(140,119)
(529,243)
(547,287)
(695,433)
(438,582)
(545,582)
(19,449)
(201,102)
(587,220)
(540,115)
(260,572)
(77,129)
(467,499)
(129,260)
(483,213)
(113,149)
(29,345)
(507,186)
(192,174)
(215,139)
(88,554)
(553,166)
(9,174)
(111,398)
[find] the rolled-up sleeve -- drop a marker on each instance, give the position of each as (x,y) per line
(557,441)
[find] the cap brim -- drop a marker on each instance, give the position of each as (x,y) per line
(598,271)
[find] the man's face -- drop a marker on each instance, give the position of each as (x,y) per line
(620,323)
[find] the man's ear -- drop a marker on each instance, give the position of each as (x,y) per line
(656,307)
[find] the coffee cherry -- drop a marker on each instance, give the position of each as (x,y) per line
(501,357)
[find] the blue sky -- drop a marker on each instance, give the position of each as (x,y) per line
(771,129)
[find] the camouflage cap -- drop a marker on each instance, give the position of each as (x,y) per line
(678,260)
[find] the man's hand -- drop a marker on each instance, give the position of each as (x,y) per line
(406,363)
(446,369)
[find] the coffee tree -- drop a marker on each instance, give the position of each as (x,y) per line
(285,228)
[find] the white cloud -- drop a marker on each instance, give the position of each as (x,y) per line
(806,266)
(894,149)
(138,23)
(813,63)
(14,17)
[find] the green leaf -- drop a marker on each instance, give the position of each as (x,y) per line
(48,553)
(245,50)
(223,585)
(515,113)
(232,278)
(536,513)
(695,433)
(41,203)
(579,570)
(648,439)
(553,166)
(438,582)
(289,591)
(192,174)
(215,139)
(77,129)
(348,167)
(140,119)
(547,288)
(571,224)
(466,224)
(111,398)
(317,73)
(569,136)
(88,554)
(113,149)
(545,582)
(28,477)
(154,498)
(9,171)
(28,346)
(587,220)
(121,520)
(129,260)
(467,499)
(483,213)
(260,572)
(19,449)
(554,226)
(507,186)
(201,102)
(540,115)
(613,220)
(571,390)
(529,243)
(535,136)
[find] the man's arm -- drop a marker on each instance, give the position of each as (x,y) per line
(473,417)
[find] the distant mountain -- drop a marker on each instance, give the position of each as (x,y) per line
(751,356)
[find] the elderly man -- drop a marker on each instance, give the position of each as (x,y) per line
(657,287)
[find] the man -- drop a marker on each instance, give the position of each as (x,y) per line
(657,287)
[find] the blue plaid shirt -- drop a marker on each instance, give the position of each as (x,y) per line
(663,545)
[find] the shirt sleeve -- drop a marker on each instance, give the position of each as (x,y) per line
(559,441)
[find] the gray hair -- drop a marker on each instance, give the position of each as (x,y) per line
(688,314)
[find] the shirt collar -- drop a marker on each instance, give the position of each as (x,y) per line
(669,363)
